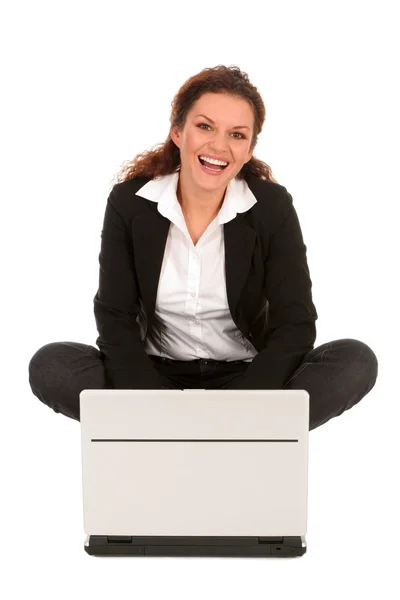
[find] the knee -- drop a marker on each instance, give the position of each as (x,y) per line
(361,357)
(44,352)
(42,357)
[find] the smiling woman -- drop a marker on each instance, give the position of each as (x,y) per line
(198,104)
(215,120)
(223,151)
(203,259)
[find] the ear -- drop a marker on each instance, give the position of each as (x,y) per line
(249,155)
(175,135)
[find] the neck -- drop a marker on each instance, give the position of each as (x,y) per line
(204,206)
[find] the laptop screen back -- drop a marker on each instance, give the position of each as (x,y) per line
(195,462)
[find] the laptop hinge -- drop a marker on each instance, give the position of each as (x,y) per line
(270,540)
(119,539)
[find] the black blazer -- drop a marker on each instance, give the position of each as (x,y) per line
(267,280)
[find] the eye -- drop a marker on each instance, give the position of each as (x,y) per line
(238,132)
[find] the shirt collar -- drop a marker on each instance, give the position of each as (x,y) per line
(238,197)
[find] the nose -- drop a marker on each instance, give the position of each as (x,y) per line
(220,146)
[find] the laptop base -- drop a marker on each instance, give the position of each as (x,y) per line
(128,545)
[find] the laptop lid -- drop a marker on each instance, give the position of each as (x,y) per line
(195,462)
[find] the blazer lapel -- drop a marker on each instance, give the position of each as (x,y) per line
(239,246)
(149,234)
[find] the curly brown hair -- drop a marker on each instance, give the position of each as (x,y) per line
(165,159)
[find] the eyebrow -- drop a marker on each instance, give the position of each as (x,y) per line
(237,126)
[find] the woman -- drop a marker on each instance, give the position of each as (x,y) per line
(204,281)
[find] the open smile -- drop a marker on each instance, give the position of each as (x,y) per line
(211,169)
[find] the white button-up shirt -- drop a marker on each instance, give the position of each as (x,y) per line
(192,318)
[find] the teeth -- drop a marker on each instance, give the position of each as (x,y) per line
(213,161)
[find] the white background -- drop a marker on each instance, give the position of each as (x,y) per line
(87,86)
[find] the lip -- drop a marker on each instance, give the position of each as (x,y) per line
(208,172)
(215,157)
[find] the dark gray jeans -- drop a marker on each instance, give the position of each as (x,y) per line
(336,375)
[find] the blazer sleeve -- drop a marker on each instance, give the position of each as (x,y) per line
(291,312)
(116,307)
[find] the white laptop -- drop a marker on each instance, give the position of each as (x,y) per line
(195,472)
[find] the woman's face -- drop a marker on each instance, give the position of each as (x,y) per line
(225,134)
